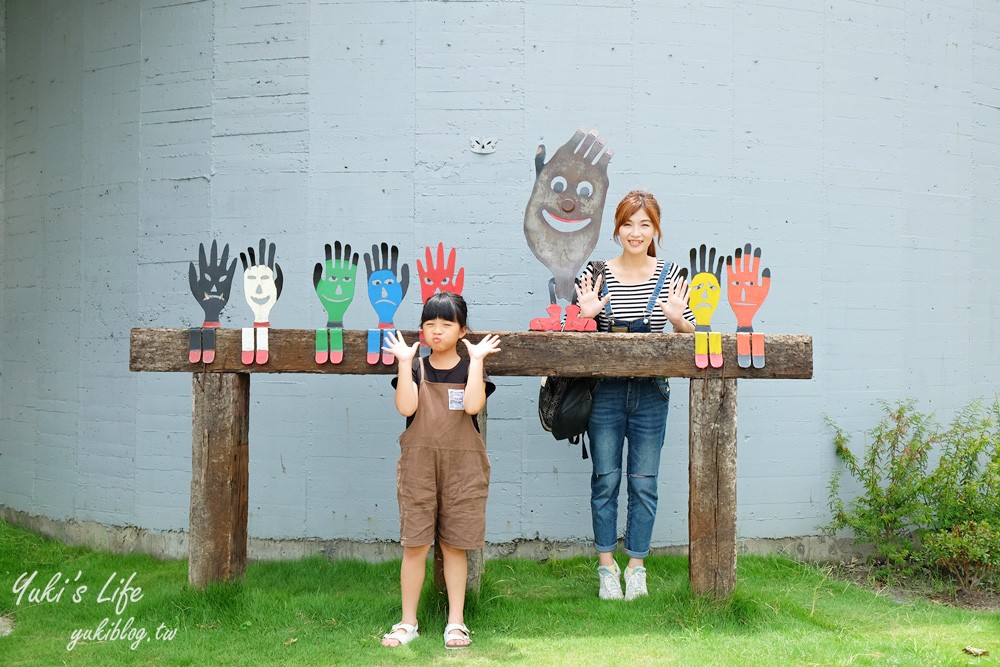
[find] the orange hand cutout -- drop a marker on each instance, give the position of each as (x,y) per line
(747,289)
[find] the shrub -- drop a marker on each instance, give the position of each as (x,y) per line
(893,477)
(910,516)
(970,551)
(965,486)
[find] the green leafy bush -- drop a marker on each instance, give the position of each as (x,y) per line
(969,551)
(893,477)
(965,486)
(912,516)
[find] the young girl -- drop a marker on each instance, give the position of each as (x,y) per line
(443,473)
(643,294)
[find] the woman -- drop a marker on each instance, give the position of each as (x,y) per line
(638,293)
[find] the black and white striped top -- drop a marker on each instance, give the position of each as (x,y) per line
(628,302)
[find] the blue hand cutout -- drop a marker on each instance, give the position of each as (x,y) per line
(387,284)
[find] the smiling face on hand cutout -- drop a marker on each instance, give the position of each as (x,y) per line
(261,281)
(562,221)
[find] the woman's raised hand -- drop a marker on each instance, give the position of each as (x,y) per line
(490,344)
(588,296)
(395,344)
(677,300)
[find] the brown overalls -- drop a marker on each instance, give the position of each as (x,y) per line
(443,474)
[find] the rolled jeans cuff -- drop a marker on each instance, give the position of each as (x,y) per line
(637,554)
(605,549)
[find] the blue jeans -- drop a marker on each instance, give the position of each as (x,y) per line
(634,409)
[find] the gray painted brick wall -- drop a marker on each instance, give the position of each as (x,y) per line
(855,142)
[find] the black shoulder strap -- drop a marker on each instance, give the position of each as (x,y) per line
(597,267)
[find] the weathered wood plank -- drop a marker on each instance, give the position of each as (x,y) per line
(217,541)
(712,487)
(475,564)
(525,353)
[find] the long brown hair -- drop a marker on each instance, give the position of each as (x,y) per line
(638,200)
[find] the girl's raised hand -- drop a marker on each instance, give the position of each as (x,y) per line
(677,300)
(490,344)
(395,344)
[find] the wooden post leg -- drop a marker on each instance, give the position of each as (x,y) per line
(474,559)
(712,480)
(217,540)
(439,584)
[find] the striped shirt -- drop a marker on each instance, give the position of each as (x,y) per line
(628,302)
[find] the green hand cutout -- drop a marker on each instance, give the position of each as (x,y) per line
(335,292)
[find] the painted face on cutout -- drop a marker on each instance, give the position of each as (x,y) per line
(214,285)
(440,277)
(337,288)
(562,221)
(706,285)
(385,294)
(262,280)
(748,285)
(387,281)
(260,291)
(705,295)
(212,281)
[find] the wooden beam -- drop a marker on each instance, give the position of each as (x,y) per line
(217,540)
(712,487)
(525,353)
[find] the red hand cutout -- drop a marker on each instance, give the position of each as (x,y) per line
(440,278)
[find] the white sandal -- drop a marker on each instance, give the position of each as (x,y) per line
(463,635)
(411,634)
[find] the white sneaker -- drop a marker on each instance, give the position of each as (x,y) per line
(611,585)
(635,583)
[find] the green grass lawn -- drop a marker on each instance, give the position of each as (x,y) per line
(316,612)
